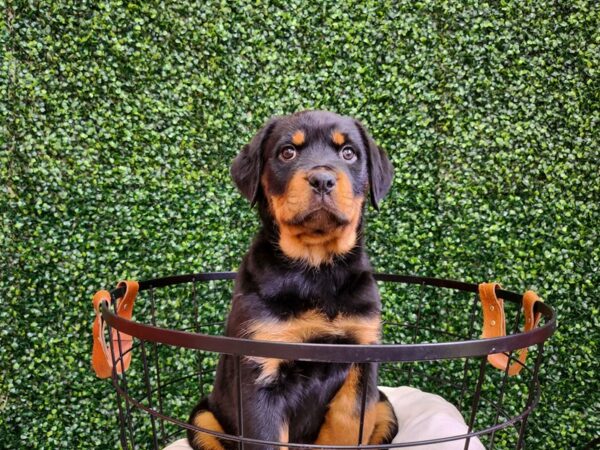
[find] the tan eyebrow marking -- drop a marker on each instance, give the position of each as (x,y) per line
(298,137)
(337,137)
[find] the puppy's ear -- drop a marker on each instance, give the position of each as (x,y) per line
(379,166)
(247,166)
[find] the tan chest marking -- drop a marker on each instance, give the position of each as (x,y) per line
(307,327)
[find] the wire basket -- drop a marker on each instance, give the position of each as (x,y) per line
(174,367)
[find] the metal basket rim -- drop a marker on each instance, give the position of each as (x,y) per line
(342,353)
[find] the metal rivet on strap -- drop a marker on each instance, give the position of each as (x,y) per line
(493,322)
(491,307)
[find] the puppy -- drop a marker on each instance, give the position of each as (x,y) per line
(306,278)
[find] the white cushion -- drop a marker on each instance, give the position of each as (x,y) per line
(181,444)
(420,415)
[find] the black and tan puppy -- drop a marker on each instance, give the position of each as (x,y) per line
(306,278)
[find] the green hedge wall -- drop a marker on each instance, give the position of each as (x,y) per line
(119,120)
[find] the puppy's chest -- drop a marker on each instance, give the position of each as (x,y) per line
(313,325)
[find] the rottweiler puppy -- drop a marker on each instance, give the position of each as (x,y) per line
(306,278)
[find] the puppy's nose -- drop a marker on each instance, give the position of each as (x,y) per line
(322,181)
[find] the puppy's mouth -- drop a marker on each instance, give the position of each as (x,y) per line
(320,219)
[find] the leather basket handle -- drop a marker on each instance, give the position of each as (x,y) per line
(494,324)
(102,361)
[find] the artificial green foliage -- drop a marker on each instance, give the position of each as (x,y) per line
(118,121)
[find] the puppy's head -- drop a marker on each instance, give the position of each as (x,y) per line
(312,171)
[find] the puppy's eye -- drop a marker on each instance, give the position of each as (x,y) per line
(287,153)
(348,153)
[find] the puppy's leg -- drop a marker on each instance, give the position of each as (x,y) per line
(386,423)
(202,417)
(264,410)
(342,420)
(266,418)
(260,422)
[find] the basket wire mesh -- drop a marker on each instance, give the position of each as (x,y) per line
(174,367)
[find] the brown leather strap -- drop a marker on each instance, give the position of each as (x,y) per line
(494,324)
(101,354)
